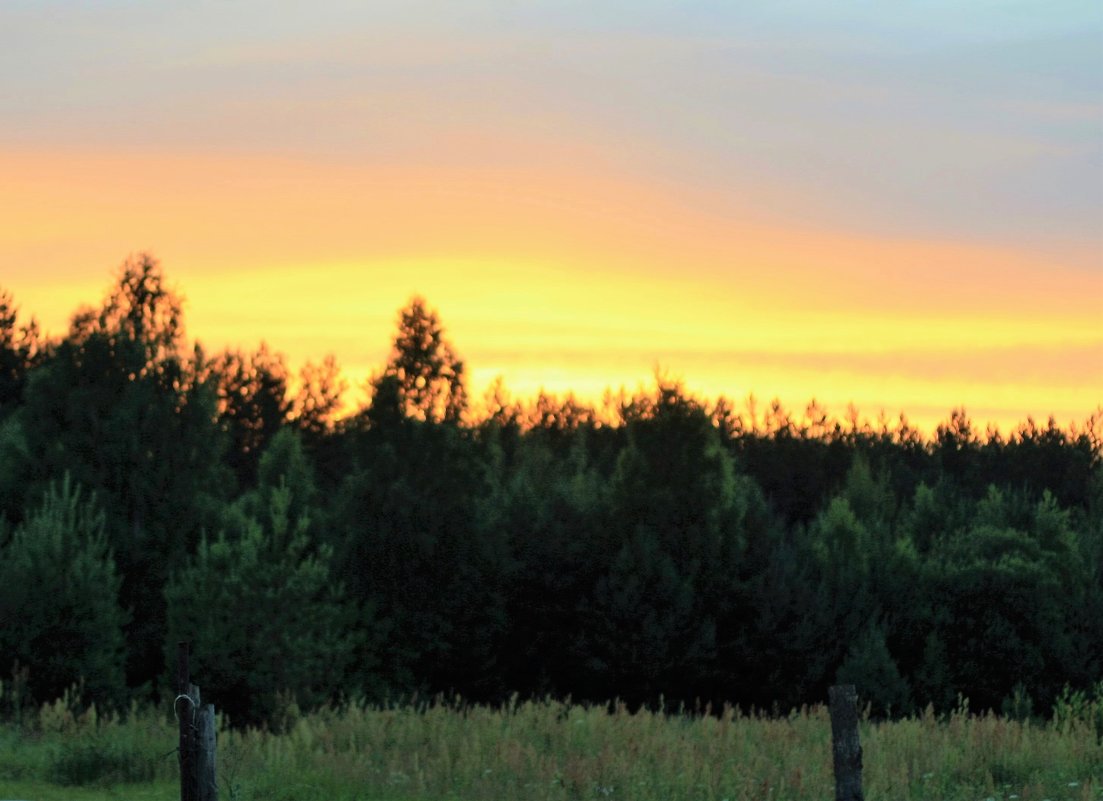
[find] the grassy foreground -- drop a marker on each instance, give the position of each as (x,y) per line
(551,751)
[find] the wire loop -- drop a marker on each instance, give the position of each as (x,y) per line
(176,700)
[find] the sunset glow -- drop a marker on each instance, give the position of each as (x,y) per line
(572,250)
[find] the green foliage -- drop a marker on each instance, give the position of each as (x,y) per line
(1077,710)
(14,460)
(59,609)
(414,545)
(550,508)
(283,468)
(1019,705)
(660,549)
(844,544)
(122,407)
(933,677)
(845,552)
(869,495)
(261,610)
(675,542)
(871,669)
(936,513)
(647,633)
(1024,637)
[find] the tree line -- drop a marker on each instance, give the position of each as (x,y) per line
(661,549)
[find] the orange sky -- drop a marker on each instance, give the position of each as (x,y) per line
(570,276)
(895,206)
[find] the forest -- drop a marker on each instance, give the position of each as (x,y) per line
(659,548)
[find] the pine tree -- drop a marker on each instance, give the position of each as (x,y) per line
(59,599)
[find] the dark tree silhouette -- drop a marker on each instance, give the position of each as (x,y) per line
(426,373)
(122,407)
(318,400)
(20,349)
(679,550)
(252,405)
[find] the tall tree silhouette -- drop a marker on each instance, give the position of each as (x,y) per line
(318,399)
(252,404)
(142,316)
(423,370)
(414,541)
(122,406)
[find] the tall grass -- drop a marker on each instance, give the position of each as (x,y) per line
(550,751)
(67,744)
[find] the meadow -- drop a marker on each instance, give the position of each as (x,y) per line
(551,751)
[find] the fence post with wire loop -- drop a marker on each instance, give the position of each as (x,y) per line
(184,706)
(197,735)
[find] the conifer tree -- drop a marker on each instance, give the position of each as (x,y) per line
(59,599)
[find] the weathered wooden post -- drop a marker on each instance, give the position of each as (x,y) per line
(185,706)
(846,746)
(197,735)
(208,782)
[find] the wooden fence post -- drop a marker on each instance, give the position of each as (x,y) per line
(208,782)
(198,781)
(846,746)
(185,707)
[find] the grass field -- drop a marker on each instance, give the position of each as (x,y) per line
(550,751)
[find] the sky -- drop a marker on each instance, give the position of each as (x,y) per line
(895,205)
